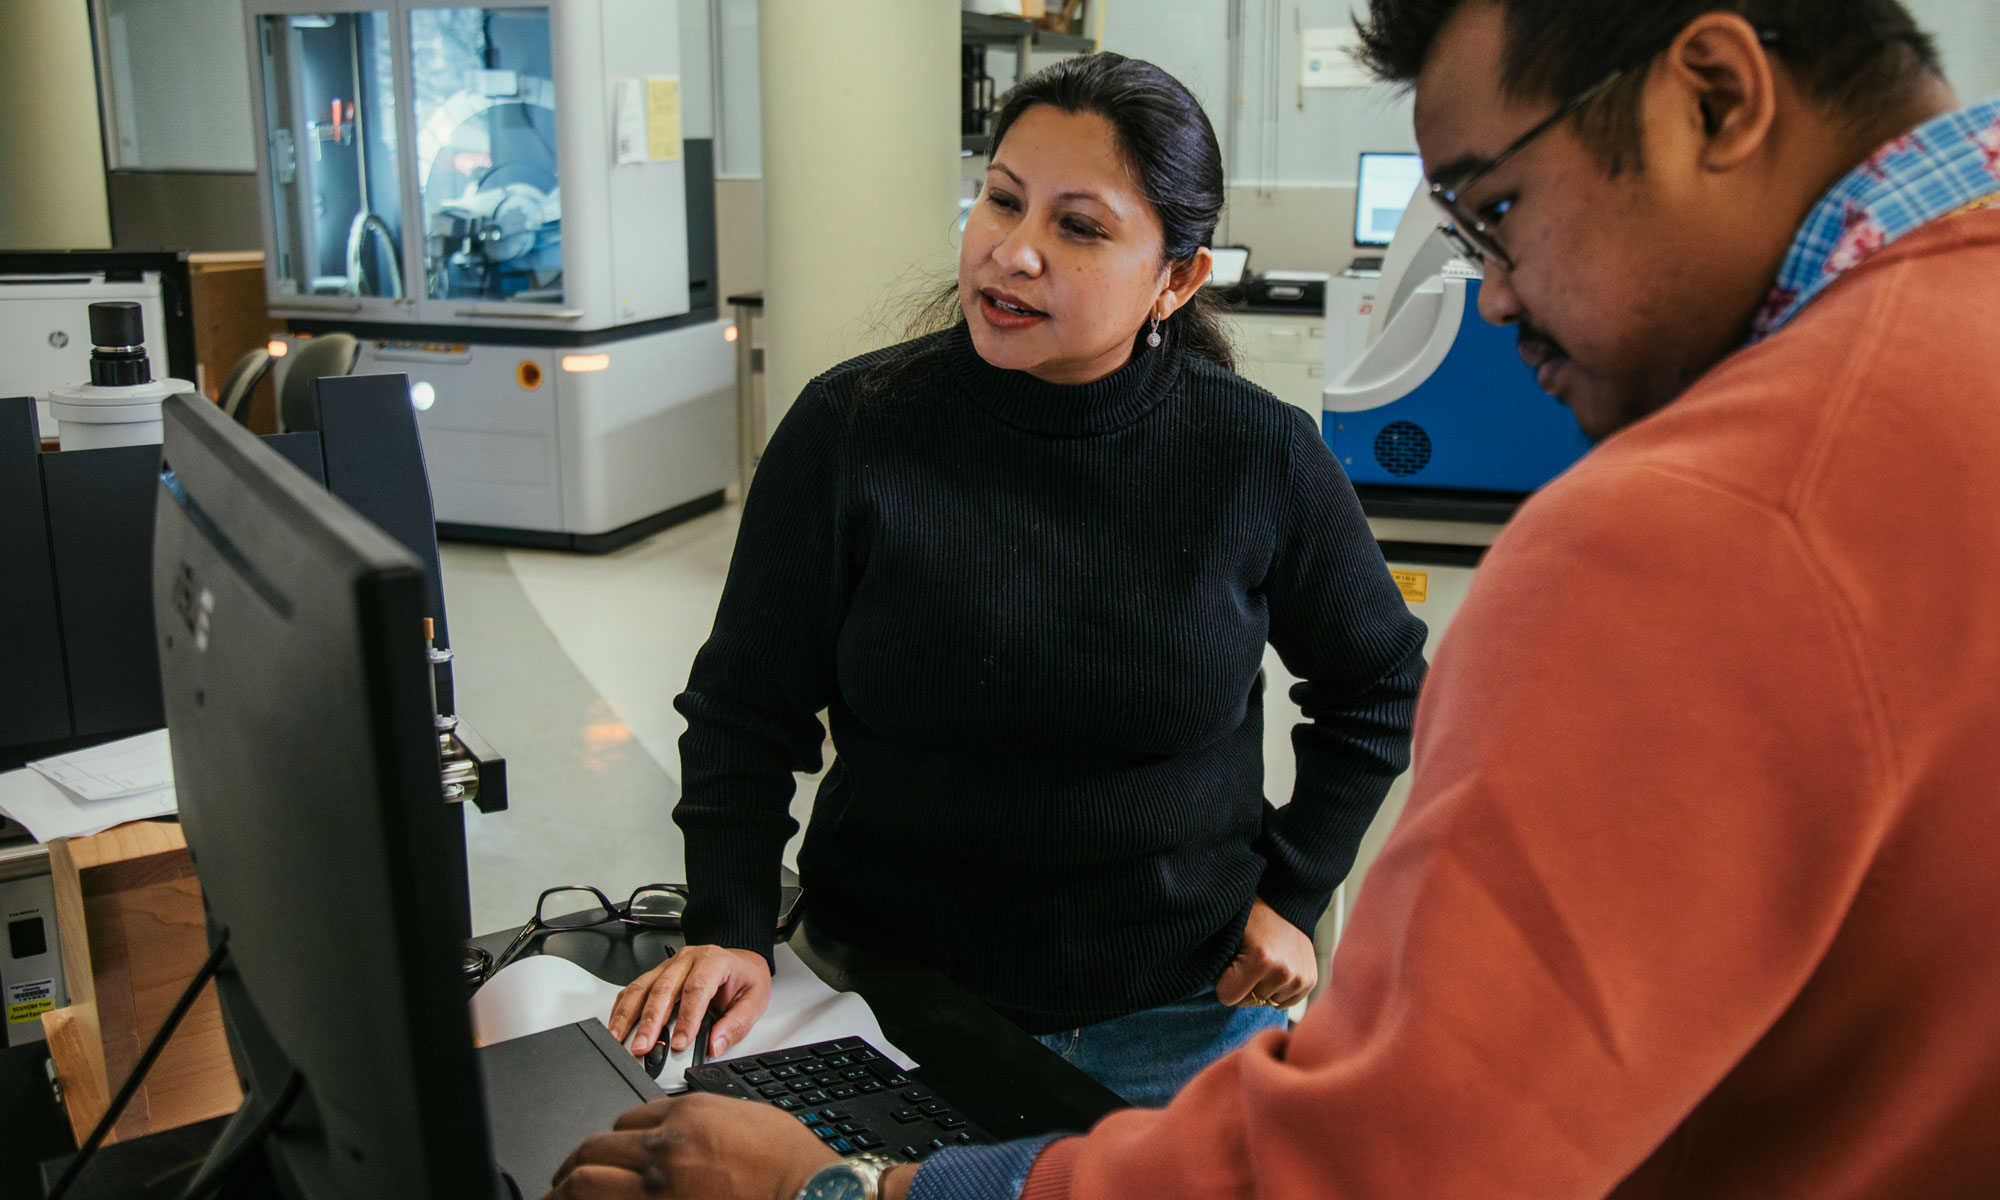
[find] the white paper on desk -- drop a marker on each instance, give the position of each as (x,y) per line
(544,992)
(115,770)
(49,813)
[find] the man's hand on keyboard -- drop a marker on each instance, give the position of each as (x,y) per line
(708,1147)
(737,983)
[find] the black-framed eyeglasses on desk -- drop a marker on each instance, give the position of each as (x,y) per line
(652,905)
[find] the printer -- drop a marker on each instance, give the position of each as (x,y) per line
(1437,397)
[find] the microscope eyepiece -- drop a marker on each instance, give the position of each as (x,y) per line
(118,344)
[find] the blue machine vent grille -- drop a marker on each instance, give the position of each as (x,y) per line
(1403,448)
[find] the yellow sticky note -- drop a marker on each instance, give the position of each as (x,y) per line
(663,119)
(1415,585)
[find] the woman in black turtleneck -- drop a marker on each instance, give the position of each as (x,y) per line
(1030,564)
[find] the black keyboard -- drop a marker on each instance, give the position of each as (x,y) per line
(851,1095)
(1365,264)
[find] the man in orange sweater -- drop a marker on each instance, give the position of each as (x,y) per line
(1695,895)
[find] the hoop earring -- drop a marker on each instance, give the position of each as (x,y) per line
(1153,338)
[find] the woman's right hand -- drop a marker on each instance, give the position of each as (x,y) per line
(735,982)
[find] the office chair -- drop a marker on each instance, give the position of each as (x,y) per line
(314,358)
(242,382)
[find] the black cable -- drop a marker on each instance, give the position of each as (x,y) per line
(145,1064)
(212,1175)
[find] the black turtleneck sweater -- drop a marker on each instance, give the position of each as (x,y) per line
(1036,614)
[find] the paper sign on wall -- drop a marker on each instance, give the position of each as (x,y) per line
(629,123)
(1415,585)
(1326,58)
(663,119)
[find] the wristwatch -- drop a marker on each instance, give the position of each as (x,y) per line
(857,1178)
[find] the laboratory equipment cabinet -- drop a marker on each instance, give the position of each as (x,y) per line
(500,202)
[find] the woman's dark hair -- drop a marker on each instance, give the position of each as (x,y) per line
(1167,140)
(1166,137)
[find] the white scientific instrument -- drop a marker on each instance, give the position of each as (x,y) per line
(1437,398)
(503,203)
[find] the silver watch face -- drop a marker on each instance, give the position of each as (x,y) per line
(839,1181)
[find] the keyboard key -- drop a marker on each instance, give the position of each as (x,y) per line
(825,1048)
(851,1127)
(865,1055)
(865,1141)
(799,1085)
(840,1146)
(855,1074)
(826,1132)
(906,1115)
(896,1080)
(757,1078)
(866,1086)
(938,1143)
(918,1096)
(840,1060)
(850,1043)
(842,1092)
(814,1097)
(950,1121)
(771,1091)
(933,1107)
(743,1066)
(964,1137)
(788,1103)
(778,1058)
(786,1072)
(914,1153)
(834,1114)
(809,1118)
(827,1078)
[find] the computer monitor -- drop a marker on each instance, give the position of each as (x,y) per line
(306,767)
(1388,182)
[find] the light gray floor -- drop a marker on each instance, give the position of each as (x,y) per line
(568,664)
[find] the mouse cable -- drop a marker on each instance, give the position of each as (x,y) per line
(145,1064)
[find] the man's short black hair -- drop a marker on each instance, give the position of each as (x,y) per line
(1858,58)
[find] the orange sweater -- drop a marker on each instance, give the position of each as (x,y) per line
(1698,894)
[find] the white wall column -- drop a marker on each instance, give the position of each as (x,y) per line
(51,151)
(860,126)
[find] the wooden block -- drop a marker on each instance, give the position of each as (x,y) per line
(128,908)
(80,1069)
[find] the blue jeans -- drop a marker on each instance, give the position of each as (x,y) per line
(1146,1056)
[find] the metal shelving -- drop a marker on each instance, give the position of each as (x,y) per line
(984,30)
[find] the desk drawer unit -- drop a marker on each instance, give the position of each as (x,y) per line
(1285,356)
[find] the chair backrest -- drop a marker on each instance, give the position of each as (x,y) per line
(244,377)
(315,358)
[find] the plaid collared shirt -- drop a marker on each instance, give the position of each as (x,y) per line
(1944,166)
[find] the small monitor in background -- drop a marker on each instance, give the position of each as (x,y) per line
(1388,182)
(1230,263)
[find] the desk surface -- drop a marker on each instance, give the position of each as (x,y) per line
(996,1074)
(999,1076)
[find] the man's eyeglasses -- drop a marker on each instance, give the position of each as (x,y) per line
(1473,237)
(580,906)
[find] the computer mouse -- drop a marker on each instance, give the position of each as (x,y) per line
(662,1059)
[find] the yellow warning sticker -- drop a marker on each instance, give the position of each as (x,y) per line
(26,1001)
(1415,585)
